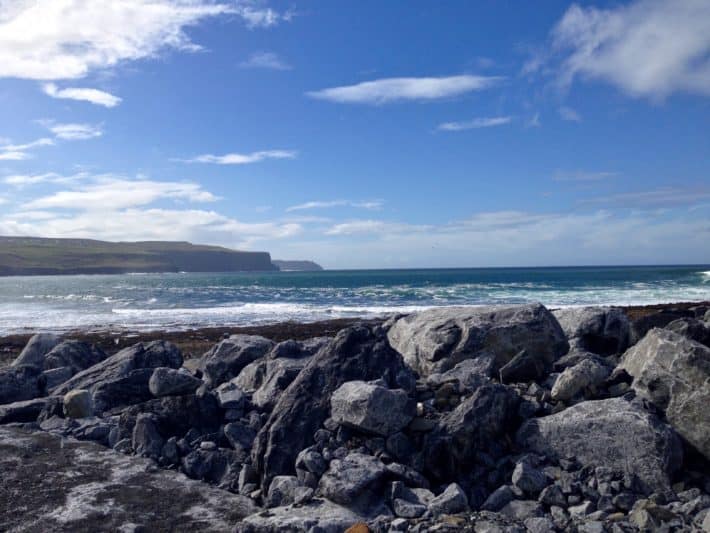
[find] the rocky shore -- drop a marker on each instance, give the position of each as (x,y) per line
(484,419)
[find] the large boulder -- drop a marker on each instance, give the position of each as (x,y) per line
(436,340)
(574,380)
(371,408)
(171,382)
(78,404)
(76,355)
(123,379)
(673,372)
(600,330)
(18,383)
(352,480)
(23,411)
(613,433)
(227,359)
(692,328)
(36,348)
(480,421)
(278,375)
(357,353)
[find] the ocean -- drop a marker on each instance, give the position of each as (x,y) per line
(181,301)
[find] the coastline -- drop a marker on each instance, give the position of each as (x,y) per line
(196,341)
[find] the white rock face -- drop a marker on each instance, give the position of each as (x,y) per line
(371,408)
(673,372)
(436,340)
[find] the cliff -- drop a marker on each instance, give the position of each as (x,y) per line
(27,256)
(305,266)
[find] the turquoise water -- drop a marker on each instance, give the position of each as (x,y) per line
(176,301)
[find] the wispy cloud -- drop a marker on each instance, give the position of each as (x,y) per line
(24,180)
(265,60)
(582,175)
(242,159)
(387,90)
(317,204)
(646,48)
(476,123)
(569,114)
(664,197)
(19,152)
(74,132)
(257,15)
(93,96)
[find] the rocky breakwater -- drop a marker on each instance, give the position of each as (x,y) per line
(459,419)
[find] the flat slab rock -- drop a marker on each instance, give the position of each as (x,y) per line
(49,484)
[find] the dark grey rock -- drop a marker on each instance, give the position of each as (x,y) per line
(479,421)
(358,353)
(600,330)
(240,436)
(399,446)
(529,479)
(613,433)
(56,376)
(371,408)
(438,339)
(147,441)
(553,495)
(539,525)
(348,479)
(227,359)
(23,411)
(211,465)
(18,383)
(230,396)
(318,515)
(171,382)
(77,355)
(282,491)
(280,373)
(453,500)
(523,367)
(36,348)
(311,461)
(521,510)
(673,372)
(406,509)
(692,328)
(498,499)
(123,378)
(78,404)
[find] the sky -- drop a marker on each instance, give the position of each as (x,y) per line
(363,133)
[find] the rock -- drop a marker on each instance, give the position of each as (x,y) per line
(279,374)
(123,378)
(522,368)
(147,441)
(498,499)
(227,359)
(281,491)
(529,479)
(171,382)
(318,515)
(81,486)
(24,411)
(371,408)
(230,396)
(252,376)
(480,420)
(56,376)
(576,379)
(405,509)
(521,510)
(36,348)
(357,353)
(469,373)
(211,465)
(399,446)
(78,404)
(553,495)
(581,510)
(436,340)
(673,372)
(539,525)
(692,328)
(612,433)
(600,330)
(18,383)
(660,319)
(351,479)
(311,461)
(240,436)
(77,355)
(453,500)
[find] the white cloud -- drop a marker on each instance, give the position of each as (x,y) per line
(93,96)
(664,197)
(569,114)
(24,180)
(647,48)
(482,122)
(265,60)
(386,90)
(242,159)
(75,132)
(66,39)
(317,204)
(256,15)
(19,152)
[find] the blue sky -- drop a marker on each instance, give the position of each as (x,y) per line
(363,133)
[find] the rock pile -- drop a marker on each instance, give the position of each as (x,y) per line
(457,419)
